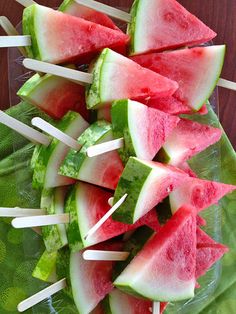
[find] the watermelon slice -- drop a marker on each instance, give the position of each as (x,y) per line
(147,183)
(91,281)
(78,10)
(104,113)
(164,24)
(144,129)
(198,193)
(86,204)
(164,270)
(119,302)
(103,170)
(169,105)
(208,252)
(52,201)
(125,79)
(188,139)
(47,160)
(45,269)
(61,38)
(196,69)
(54,95)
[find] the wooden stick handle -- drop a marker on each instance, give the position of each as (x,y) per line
(97,255)
(15,41)
(28,132)
(39,221)
(70,74)
(54,132)
(105,217)
(26,3)
(227,84)
(156,308)
(20,212)
(106,9)
(103,148)
(11,31)
(42,295)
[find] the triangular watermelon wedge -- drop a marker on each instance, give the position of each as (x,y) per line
(86,204)
(91,281)
(208,252)
(198,193)
(146,183)
(126,80)
(188,139)
(196,69)
(164,24)
(60,38)
(144,129)
(164,270)
(73,8)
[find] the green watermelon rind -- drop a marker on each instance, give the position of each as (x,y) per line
(91,136)
(42,155)
(93,91)
(45,269)
(73,230)
(120,127)
(132,25)
(29,28)
(65,4)
(54,237)
(131,180)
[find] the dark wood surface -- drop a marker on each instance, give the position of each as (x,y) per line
(220,15)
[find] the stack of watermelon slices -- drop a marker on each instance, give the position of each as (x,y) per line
(139,97)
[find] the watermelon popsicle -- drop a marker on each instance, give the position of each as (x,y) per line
(79,275)
(140,131)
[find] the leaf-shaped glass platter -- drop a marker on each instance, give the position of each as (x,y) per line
(20,249)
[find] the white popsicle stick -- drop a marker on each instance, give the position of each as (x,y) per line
(42,295)
(10,31)
(58,134)
(15,41)
(106,9)
(156,308)
(97,255)
(70,74)
(39,221)
(28,132)
(20,212)
(102,148)
(105,217)
(227,84)
(26,3)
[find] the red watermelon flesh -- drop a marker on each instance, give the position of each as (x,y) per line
(169,105)
(198,193)
(92,205)
(164,270)
(188,139)
(200,221)
(91,281)
(208,252)
(196,71)
(98,310)
(78,10)
(165,24)
(65,38)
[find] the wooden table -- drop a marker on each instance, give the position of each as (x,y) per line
(218,14)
